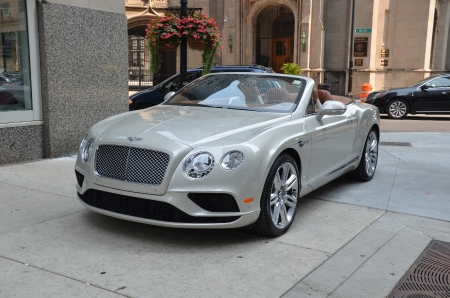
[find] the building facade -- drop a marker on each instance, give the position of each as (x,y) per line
(68,64)
(63,68)
(396,42)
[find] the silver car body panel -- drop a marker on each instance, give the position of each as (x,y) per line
(329,148)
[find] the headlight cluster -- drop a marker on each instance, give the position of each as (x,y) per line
(86,148)
(199,165)
(379,95)
(232,160)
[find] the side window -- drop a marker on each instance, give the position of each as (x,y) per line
(173,85)
(439,83)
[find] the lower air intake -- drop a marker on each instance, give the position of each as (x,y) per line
(144,208)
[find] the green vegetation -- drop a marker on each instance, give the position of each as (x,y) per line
(291,68)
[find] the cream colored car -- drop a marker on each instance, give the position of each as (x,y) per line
(228,150)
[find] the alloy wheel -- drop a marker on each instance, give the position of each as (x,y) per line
(371,154)
(283,195)
(398,109)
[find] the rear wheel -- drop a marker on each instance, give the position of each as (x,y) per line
(279,197)
(368,163)
(397,109)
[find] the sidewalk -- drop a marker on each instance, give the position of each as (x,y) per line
(349,239)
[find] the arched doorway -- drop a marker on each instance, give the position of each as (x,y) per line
(139,76)
(275,27)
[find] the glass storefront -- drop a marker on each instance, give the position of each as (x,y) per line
(15,91)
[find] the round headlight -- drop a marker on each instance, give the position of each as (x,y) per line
(87,150)
(83,141)
(232,160)
(199,165)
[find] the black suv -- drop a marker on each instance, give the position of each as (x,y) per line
(155,95)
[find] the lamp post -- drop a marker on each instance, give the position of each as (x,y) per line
(350,63)
(183,47)
(303,41)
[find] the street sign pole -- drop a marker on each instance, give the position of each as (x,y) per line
(350,64)
(183,47)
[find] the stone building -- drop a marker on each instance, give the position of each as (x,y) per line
(63,67)
(396,42)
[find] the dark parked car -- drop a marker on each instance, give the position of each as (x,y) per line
(429,96)
(155,95)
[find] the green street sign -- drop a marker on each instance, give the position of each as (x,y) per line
(363,30)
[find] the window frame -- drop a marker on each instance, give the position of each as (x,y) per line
(33,116)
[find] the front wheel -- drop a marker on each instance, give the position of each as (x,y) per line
(279,197)
(397,109)
(368,164)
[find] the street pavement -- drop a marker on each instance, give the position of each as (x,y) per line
(349,239)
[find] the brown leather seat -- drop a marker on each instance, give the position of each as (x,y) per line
(251,93)
(276,95)
(324,95)
(343,99)
(315,95)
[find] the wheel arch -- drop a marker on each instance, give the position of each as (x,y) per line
(291,152)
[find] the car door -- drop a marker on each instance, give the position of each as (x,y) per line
(332,141)
(435,97)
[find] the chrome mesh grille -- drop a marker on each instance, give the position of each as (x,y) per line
(131,164)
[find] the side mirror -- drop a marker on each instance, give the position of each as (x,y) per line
(168,95)
(331,107)
(424,87)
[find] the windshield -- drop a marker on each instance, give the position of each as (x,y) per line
(254,92)
(420,83)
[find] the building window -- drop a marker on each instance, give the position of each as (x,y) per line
(22,5)
(16,102)
(6,10)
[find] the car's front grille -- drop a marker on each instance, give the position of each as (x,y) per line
(215,202)
(144,208)
(80,178)
(131,164)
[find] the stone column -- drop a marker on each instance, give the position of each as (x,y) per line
(84,70)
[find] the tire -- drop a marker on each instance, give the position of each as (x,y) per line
(144,106)
(397,109)
(368,163)
(279,199)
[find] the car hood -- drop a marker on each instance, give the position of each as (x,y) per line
(392,89)
(161,126)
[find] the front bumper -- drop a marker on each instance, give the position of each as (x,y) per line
(173,209)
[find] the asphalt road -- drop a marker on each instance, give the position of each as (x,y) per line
(416,123)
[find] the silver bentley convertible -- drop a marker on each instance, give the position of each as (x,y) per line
(228,150)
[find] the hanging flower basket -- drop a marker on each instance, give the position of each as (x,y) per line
(203,35)
(197,44)
(167,47)
(163,33)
